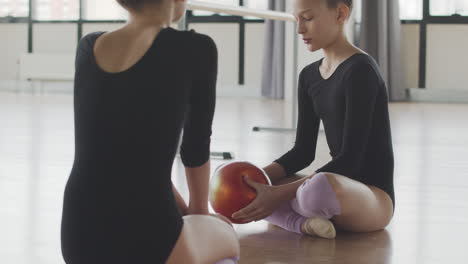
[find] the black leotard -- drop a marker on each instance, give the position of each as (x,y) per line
(119,206)
(353,105)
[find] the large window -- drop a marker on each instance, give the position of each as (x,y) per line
(14,8)
(449,7)
(56,9)
(209,17)
(110,10)
(411,9)
(103,10)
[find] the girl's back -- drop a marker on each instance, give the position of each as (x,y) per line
(119,206)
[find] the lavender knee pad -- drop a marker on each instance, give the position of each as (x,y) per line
(285,217)
(316,198)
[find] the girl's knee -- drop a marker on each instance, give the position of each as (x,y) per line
(208,232)
(318,182)
(317,197)
(333,181)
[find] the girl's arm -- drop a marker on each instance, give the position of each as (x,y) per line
(268,199)
(181,205)
(195,147)
(303,152)
(275,172)
(361,95)
(198,182)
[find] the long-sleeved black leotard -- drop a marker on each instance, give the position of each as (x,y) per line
(353,106)
(119,206)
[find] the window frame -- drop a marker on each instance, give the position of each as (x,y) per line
(426,20)
(455,18)
(241,21)
(190,18)
(13,19)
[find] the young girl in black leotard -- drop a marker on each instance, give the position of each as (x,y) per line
(136,88)
(346,92)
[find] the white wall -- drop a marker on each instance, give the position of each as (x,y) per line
(410,54)
(226,37)
(55,38)
(14,42)
(447,60)
(254,48)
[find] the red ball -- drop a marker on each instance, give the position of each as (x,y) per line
(229,192)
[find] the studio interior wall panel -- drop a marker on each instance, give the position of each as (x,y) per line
(254,47)
(226,37)
(447,59)
(14,42)
(410,54)
(55,38)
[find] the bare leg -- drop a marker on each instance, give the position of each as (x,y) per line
(288,219)
(363,208)
(312,223)
(205,240)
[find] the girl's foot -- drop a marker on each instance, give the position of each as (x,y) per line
(319,227)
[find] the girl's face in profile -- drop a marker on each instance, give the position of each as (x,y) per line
(318,24)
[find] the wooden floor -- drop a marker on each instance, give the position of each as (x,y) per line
(431,178)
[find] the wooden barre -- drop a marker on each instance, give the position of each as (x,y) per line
(239,11)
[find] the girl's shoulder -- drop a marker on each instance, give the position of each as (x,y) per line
(361,65)
(184,37)
(204,43)
(361,68)
(87,41)
(310,71)
(196,40)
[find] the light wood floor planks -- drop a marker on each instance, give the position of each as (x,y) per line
(431,179)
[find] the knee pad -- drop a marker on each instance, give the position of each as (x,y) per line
(316,198)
